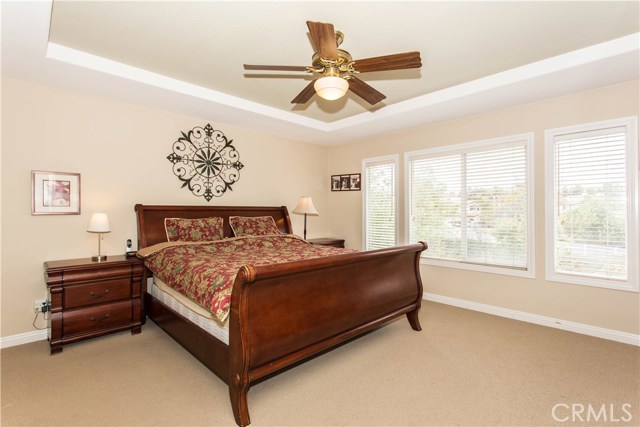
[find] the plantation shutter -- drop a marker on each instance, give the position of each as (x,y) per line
(590,203)
(380,205)
(472,206)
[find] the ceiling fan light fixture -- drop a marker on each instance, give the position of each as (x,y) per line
(331,87)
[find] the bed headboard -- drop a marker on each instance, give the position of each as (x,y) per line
(151,218)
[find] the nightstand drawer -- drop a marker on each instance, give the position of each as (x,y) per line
(96,293)
(97,317)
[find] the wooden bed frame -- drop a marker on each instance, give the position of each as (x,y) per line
(285,313)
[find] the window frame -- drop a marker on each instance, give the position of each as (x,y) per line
(373,161)
(477,146)
(631,174)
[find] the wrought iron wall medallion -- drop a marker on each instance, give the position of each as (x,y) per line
(205,162)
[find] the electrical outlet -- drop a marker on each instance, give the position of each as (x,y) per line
(40,306)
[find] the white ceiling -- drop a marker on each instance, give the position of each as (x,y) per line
(187,57)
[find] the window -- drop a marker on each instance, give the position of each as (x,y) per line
(380,202)
(591,204)
(472,204)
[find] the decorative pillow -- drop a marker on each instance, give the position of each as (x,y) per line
(193,230)
(253,225)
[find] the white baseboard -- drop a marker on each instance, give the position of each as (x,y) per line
(580,328)
(25,338)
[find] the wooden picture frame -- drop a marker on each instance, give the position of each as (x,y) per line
(55,193)
(346,182)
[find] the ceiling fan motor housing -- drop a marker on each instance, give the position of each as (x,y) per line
(344,63)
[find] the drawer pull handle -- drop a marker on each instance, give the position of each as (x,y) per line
(105,317)
(94,295)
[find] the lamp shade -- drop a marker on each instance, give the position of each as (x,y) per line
(99,223)
(331,87)
(305,206)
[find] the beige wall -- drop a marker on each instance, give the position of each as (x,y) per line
(611,309)
(120,151)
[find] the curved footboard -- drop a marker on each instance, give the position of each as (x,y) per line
(284,313)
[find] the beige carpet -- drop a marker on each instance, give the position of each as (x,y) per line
(464,368)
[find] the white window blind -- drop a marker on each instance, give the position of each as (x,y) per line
(594,217)
(471,204)
(380,203)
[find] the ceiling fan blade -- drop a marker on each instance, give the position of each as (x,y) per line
(274,67)
(305,95)
(365,91)
(324,39)
(399,61)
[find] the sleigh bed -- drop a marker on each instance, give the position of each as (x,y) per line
(284,313)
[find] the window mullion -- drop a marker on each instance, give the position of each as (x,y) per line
(463,207)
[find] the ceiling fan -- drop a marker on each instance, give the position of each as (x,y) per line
(337,68)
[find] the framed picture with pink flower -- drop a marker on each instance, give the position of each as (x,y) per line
(55,193)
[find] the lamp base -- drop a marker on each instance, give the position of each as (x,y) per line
(99,258)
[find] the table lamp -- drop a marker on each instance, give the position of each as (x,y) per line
(99,223)
(305,207)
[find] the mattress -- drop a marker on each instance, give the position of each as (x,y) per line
(188,309)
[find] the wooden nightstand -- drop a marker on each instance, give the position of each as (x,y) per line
(328,241)
(89,299)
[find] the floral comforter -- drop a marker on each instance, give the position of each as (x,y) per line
(205,271)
